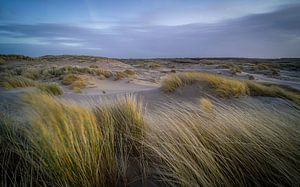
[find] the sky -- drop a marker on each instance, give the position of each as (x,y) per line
(151,28)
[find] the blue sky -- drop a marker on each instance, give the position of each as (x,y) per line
(151,28)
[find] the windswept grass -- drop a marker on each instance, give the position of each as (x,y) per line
(224,87)
(32,73)
(17,82)
(52,89)
(69,79)
(68,145)
(255,147)
(63,144)
(257,89)
(227,87)
(207,105)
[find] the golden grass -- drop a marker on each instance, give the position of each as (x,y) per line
(224,87)
(257,89)
(69,79)
(63,144)
(254,147)
(227,87)
(129,72)
(68,145)
(103,72)
(207,105)
(79,84)
(94,66)
(52,89)
(17,82)
(120,75)
(32,73)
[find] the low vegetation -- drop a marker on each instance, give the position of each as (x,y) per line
(23,82)
(75,82)
(124,74)
(207,105)
(67,145)
(69,79)
(50,88)
(116,143)
(17,82)
(255,147)
(224,87)
(227,87)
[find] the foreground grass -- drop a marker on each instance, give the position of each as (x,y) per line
(253,147)
(227,87)
(62,144)
(67,145)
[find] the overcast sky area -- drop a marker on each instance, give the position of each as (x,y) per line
(151,28)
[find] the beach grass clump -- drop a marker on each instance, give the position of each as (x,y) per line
(79,84)
(223,86)
(129,72)
(16,82)
(50,88)
(63,144)
(255,147)
(257,89)
(94,66)
(103,73)
(69,79)
(2,62)
(120,75)
(227,87)
(32,73)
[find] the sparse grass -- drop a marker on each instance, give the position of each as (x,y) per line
(130,72)
(16,82)
(234,70)
(120,75)
(207,105)
(52,89)
(227,87)
(94,66)
(32,73)
(225,66)
(2,61)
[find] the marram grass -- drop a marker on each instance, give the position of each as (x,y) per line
(63,144)
(227,87)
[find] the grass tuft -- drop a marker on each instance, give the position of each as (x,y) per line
(207,105)
(52,89)
(69,79)
(227,87)
(17,82)
(224,87)
(69,145)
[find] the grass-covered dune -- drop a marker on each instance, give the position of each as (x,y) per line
(122,143)
(227,87)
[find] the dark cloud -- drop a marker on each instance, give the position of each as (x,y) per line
(275,34)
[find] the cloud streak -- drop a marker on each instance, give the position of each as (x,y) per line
(274,34)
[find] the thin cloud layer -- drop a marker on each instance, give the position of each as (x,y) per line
(272,34)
